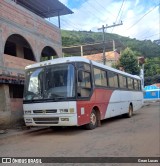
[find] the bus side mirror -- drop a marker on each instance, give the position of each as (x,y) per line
(80,76)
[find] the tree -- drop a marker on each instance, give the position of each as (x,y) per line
(152,71)
(151,80)
(129,62)
(149,68)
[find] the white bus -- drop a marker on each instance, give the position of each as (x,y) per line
(75,91)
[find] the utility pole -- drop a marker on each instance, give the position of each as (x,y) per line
(103,28)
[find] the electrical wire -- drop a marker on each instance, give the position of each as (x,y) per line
(144,34)
(92,12)
(70,23)
(150,36)
(141,18)
(104,8)
(118,14)
(122,11)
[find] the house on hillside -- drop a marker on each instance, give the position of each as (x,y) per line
(112,57)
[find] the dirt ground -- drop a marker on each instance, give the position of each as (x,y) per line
(138,136)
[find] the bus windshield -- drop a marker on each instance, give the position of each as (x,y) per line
(51,82)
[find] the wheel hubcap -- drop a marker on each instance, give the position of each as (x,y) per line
(93,119)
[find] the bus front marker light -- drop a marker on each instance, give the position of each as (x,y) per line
(63,110)
(27,112)
(64,119)
(28,120)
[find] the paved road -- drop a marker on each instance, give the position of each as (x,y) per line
(138,136)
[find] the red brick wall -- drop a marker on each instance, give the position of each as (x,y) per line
(15,62)
(38,32)
(17,14)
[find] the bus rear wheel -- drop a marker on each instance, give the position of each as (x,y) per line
(93,121)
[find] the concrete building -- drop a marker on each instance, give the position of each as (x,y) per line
(25,38)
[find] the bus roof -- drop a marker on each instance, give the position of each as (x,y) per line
(58,61)
(77,59)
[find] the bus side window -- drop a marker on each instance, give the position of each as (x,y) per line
(130,83)
(135,84)
(113,79)
(139,85)
(122,81)
(100,77)
(84,84)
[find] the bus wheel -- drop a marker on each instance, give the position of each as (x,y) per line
(130,111)
(93,121)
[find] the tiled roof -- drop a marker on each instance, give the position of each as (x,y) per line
(157,84)
(110,56)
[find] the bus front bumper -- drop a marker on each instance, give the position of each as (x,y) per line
(56,120)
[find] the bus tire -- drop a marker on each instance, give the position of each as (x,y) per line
(130,111)
(93,121)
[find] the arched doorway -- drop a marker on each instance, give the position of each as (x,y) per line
(17,52)
(18,46)
(48,53)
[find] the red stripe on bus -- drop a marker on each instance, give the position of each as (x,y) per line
(100,99)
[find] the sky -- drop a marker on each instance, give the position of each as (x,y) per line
(141,18)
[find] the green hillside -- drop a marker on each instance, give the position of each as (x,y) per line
(145,48)
(150,50)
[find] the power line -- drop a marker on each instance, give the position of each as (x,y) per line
(122,10)
(146,32)
(141,18)
(71,24)
(118,14)
(104,8)
(92,12)
(150,36)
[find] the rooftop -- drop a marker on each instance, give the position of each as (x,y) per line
(45,8)
(92,48)
(110,56)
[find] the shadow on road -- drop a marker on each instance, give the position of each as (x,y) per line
(57,131)
(74,130)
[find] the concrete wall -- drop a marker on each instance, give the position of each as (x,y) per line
(5,111)
(16,112)
(11,109)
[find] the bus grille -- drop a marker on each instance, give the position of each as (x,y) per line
(53,120)
(44,111)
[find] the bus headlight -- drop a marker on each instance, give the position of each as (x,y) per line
(27,112)
(63,110)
